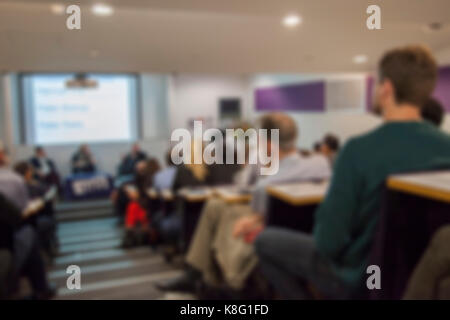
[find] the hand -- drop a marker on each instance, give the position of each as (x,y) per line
(247,224)
(33,207)
(132,192)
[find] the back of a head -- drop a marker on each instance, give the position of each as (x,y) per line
(153,166)
(199,170)
(287,129)
(332,142)
(22,168)
(316,147)
(168,159)
(433,112)
(413,73)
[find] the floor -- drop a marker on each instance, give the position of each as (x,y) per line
(90,238)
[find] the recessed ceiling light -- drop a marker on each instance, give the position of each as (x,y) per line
(101,9)
(57,8)
(292,20)
(360,59)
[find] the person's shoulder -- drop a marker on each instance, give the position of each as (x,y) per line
(14,177)
(436,133)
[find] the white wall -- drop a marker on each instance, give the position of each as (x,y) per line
(197,96)
(2,111)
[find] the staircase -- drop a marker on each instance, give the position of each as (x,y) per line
(90,237)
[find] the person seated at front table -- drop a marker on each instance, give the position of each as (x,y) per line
(83,161)
(130,160)
(219,236)
(44,168)
(335,258)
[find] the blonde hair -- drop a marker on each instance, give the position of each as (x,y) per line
(198,170)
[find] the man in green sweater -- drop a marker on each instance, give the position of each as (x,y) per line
(334,259)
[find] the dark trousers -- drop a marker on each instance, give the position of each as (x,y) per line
(27,260)
(290,262)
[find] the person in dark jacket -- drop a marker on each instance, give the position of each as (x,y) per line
(44,168)
(83,161)
(44,220)
(21,243)
(129,162)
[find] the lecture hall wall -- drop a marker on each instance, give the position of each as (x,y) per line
(171,101)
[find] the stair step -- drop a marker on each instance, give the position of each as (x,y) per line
(84,214)
(91,236)
(68,206)
(107,255)
(89,246)
(122,288)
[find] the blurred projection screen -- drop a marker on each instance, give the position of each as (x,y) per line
(68,109)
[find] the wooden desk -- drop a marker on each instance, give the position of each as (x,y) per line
(413,208)
(195,195)
(434,185)
(292,206)
(231,194)
(191,204)
(299,194)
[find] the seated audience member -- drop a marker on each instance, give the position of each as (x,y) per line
(334,259)
(429,281)
(136,219)
(191,174)
(20,240)
(5,267)
(164,178)
(21,244)
(330,147)
(44,219)
(317,147)
(223,174)
(12,186)
(188,175)
(44,168)
(433,112)
(219,236)
(128,163)
(83,161)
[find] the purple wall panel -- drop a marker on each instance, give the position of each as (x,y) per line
(296,97)
(442,91)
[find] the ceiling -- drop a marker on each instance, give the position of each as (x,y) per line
(213,36)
